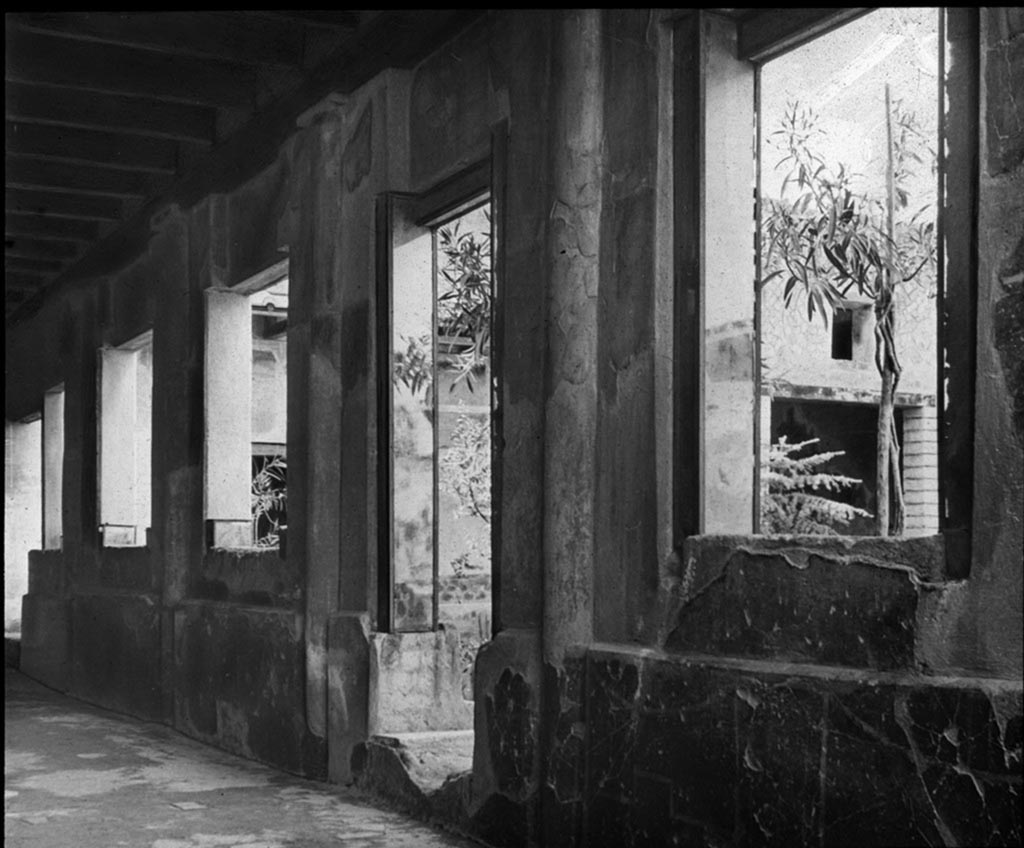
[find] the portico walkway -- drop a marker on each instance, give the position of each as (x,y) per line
(77,775)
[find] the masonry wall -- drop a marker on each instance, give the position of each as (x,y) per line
(723,691)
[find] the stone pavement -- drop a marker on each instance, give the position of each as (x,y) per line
(77,776)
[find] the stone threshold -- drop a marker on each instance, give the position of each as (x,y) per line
(431,758)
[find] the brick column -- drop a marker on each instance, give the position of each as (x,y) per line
(921,470)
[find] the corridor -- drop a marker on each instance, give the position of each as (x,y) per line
(77,775)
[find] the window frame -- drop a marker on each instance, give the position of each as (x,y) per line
(762,36)
(430,209)
(222,533)
(108,530)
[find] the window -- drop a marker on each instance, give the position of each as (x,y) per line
(269,308)
(246,399)
(22,510)
(731,348)
(437,393)
(844,120)
(125,436)
(53,468)
(842,333)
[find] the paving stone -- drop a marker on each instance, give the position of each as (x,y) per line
(78,775)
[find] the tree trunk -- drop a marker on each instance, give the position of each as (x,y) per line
(887,480)
(883,434)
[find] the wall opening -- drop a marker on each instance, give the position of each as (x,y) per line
(246,399)
(848,277)
(441,402)
(438,391)
(125,442)
(269,427)
(23,510)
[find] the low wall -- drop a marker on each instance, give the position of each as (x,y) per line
(718,751)
(241,683)
(416,683)
(115,638)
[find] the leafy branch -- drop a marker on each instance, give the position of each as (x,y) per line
(465,304)
(797,501)
(269,497)
(465,466)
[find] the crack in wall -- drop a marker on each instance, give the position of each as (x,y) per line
(902,715)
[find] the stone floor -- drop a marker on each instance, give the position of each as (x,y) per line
(77,775)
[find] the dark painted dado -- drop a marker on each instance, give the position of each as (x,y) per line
(680,751)
(248,698)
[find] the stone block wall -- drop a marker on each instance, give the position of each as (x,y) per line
(738,752)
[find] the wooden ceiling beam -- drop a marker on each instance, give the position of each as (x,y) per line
(44,266)
(90,147)
(23,280)
(393,39)
(62,205)
(39,248)
(242,38)
(108,112)
(772,32)
(43,226)
(35,175)
(108,69)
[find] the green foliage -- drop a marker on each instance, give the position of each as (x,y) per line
(465,466)
(269,497)
(797,500)
(823,237)
(412,366)
(466,298)
(464,305)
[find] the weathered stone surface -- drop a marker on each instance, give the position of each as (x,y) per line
(756,753)
(115,638)
(625,441)
(502,797)
(125,568)
(256,577)
(1004,72)
(76,775)
(45,572)
(252,213)
(416,683)
(45,640)
(562,787)
(348,691)
(844,602)
(380,767)
(248,699)
(1008,322)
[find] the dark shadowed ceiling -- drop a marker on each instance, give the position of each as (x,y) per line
(110,114)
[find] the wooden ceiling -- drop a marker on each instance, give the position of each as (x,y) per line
(111,114)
